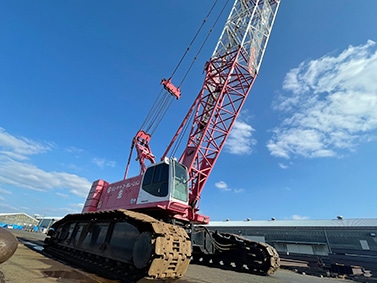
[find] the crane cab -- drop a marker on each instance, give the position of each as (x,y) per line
(164,181)
(162,191)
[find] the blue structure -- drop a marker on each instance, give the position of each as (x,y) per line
(20,221)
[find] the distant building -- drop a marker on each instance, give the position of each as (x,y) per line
(23,221)
(347,241)
(17,221)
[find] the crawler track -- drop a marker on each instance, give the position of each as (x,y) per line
(122,244)
(237,253)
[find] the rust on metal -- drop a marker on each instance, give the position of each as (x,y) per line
(159,250)
(172,250)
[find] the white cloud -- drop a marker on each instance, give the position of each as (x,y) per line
(222,186)
(330,105)
(20,148)
(16,172)
(5,192)
(73,149)
(240,139)
(9,207)
(28,176)
(283,166)
(101,162)
(62,195)
(77,206)
(299,217)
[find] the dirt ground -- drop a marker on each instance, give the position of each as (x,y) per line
(29,265)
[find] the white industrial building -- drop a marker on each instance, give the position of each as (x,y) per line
(23,221)
(17,221)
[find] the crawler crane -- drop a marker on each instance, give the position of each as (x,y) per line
(149,225)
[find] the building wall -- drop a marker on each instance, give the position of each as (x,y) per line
(17,220)
(312,240)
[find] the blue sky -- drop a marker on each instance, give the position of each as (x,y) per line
(77,79)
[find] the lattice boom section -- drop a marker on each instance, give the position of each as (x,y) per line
(230,75)
(249,25)
(225,89)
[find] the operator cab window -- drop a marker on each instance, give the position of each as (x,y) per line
(156,180)
(180,187)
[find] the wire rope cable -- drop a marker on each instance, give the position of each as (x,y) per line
(194,38)
(203,44)
(153,108)
(164,100)
(180,137)
(184,130)
(158,112)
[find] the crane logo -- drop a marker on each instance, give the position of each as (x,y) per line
(120,187)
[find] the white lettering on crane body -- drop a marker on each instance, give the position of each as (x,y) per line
(122,186)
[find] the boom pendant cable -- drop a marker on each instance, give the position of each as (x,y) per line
(164,99)
(194,38)
(153,109)
(203,44)
(179,139)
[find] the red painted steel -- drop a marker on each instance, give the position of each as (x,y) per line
(229,76)
(172,89)
(141,143)
(225,89)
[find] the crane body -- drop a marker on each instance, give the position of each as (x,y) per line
(149,224)
(162,189)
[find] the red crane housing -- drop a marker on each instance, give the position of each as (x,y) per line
(150,217)
(229,76)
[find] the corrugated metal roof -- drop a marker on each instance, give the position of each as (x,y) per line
(356,222)
(17,219)
(18,213)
